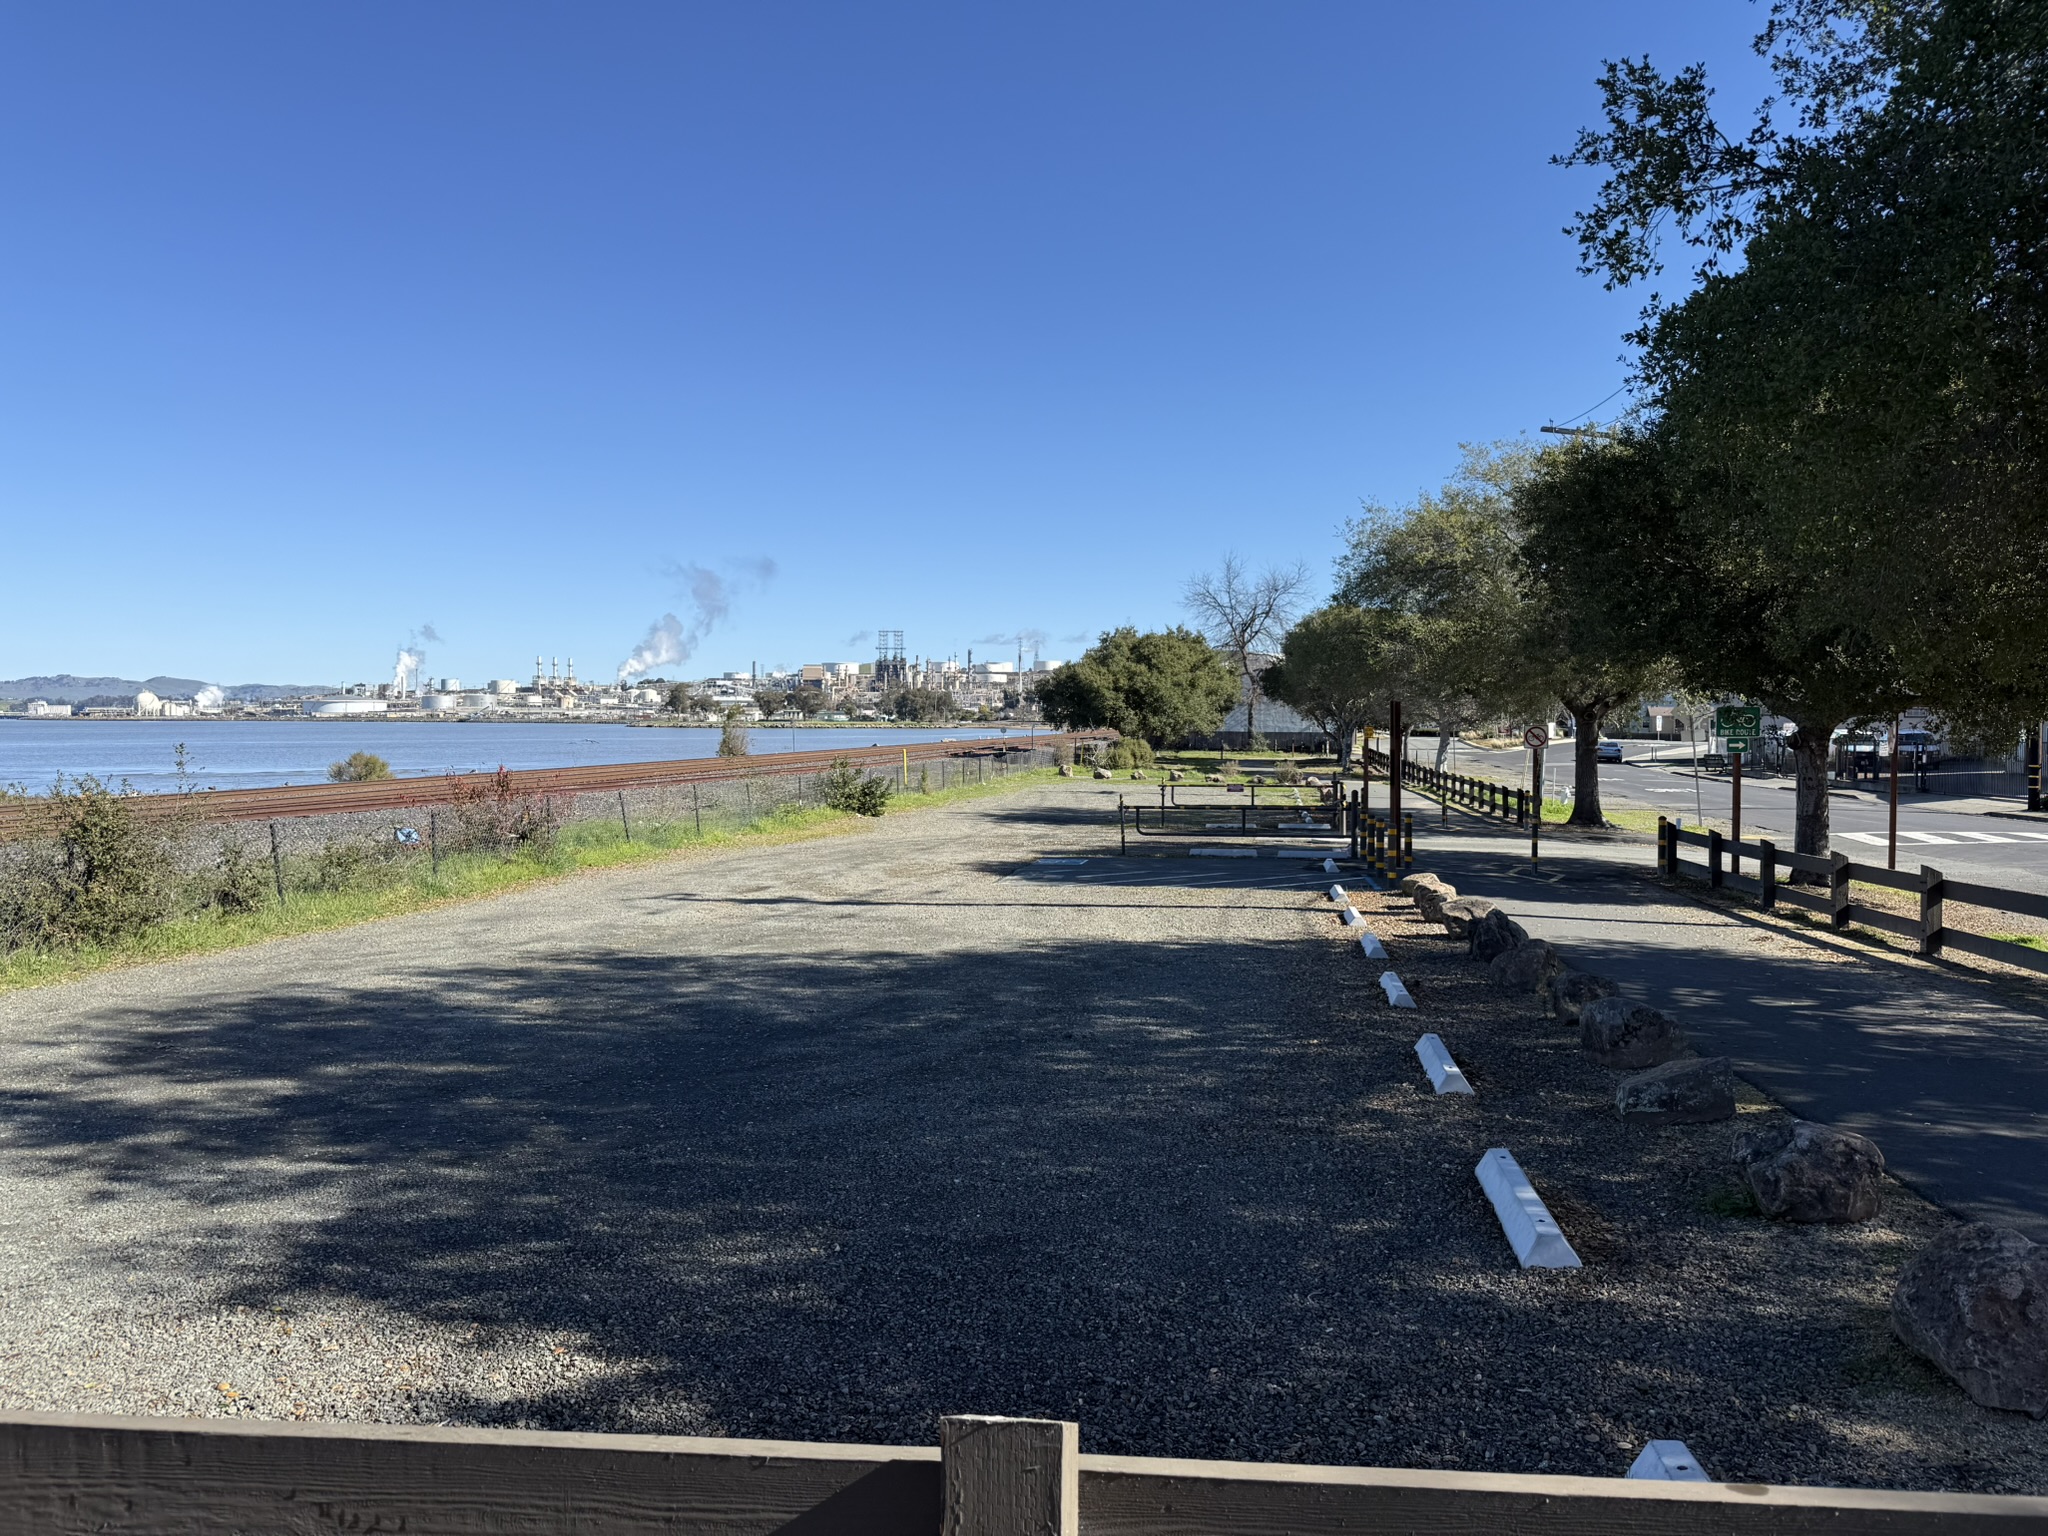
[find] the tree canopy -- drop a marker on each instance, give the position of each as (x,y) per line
(1163,686)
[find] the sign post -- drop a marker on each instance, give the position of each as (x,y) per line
(1536,738)
(1737,722)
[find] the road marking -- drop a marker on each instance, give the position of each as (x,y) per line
(1982,837)
(1932,839)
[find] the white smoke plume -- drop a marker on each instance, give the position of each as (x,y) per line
(663,647)
(426,632)
(861,637)
(405,675)
(707,599)
(208,698)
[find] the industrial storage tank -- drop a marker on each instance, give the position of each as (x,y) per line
(349,706)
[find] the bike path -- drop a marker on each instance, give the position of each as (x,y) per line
(1948,1079)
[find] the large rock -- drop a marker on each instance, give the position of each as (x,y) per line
(1524,968)
(1975,1302)
(1568,992)
(1494,935)
(1461,912)
(1429,895)
(1800,1171)
(1618,1033)
(1686,1092)
(1104,773)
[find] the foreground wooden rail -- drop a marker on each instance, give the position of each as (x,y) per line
(988,1477)
(1835,898)
(17,818)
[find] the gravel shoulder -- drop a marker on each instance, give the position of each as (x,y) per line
(820,1142)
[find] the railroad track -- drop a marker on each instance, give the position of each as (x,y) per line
(291,800)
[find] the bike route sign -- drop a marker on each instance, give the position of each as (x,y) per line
(1737,720)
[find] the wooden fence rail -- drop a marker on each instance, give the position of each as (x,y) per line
(988,1477)
(1929,929)
(1484,797)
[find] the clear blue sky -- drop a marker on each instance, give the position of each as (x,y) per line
(320,323)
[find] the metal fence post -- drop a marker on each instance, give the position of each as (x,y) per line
(1930,910)
(1838,890)
(434,842)
(276,864)
(696,808)
(1767,874)
(624,825)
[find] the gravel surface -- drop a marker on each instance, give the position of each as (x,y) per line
(820,1142)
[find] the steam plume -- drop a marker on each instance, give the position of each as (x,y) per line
(406,674)
(208,697)
(707,599)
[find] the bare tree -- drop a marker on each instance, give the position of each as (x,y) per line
(1243,614)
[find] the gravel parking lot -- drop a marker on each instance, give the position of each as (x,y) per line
(820,1142)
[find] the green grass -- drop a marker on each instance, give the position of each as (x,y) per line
(385,891)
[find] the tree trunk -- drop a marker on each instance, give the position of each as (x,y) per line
(1810,765)
(1251,699)
(1586,720)
(1443,749)
(1346,735)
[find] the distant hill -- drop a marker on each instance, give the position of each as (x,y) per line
(66,689)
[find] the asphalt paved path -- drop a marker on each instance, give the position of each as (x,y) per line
(1948,1079)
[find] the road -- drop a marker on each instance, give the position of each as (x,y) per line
(1993,850)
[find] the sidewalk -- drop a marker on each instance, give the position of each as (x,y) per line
(1949,1081)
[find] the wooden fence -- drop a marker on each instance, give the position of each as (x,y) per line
(987,1477)
(1484,797)
(1833,895)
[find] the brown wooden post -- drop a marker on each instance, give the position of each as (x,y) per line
(1930,910)
(1714,844)
(1009,1477)
(1663,844)
(1838,890)
(1767,874)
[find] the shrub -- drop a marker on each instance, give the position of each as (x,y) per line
(1130,752)
(732,740)
(359,768)
(846,788)
(104,874)
(492,813)
(238,881)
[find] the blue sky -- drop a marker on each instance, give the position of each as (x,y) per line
(320,324)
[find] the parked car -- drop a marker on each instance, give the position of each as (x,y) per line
(1607,751)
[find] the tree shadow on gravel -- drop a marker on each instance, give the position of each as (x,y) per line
(808,1197)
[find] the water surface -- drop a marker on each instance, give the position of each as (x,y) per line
(248,754)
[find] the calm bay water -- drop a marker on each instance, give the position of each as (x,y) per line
(247,754)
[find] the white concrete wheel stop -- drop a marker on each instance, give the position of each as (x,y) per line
(1531,1230)
(1397,995)
(1668,1461)
(1338,893)
(1444,1074)
(1374,949)
(1353,917)
(1329,866)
